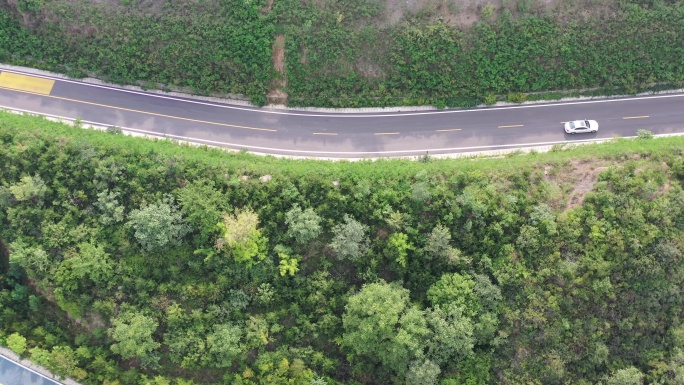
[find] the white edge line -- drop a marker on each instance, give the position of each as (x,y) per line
(31,370)
(369,115)
(362,153)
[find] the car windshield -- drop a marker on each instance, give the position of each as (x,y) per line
(572,125)
(586,123)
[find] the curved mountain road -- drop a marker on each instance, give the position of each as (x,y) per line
(337,135)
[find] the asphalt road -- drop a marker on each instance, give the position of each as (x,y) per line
(306,133)
(13,374)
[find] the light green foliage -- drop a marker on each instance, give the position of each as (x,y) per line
(242,237)
(223,345)
(423,372)
(187,346)
(455,289)
(30,188)
(277,369)
(288,265)
(475,297)
(350,240)
(303,225)
(17,343)
(40,356)
(91,261)
(158,225)
(155,380)
(398,248)
(420,192)
(489,300)
(63,362)
(380,325)
(265,293)
(644,134)
(676,367)
(438,242)
(488,11)
(395,219)
(34,259)
(256,332)
(133,333)
(627,376)
(542,218)
(239,228)
(438,246)
(452,338)
(108,204)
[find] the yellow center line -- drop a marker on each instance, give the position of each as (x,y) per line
(324,133)
(145,112)
(511,126)
(386,133)
(28,83)
(636,117)
(450,129)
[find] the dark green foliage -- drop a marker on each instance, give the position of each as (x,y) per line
(223,49)
(497,276)
(336,55)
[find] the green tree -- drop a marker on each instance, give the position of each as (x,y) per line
(420,192)
(288,265)
(627,376)
(34,260)
(30,188)
(40,356)
(455,289)
(63,361)
(17,343)
(241,237)
(93,262)
(423,372)
(350,240)
(452,338)
(108,204)
(303,225)
(256,332)
(158,226)
(438,246)
(380,325)
(133,332)
(223,345)
(186,345)
(202,205)
(398,248)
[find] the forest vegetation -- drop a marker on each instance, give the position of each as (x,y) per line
(128,261)
(354,53)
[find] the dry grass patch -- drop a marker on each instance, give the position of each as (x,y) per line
(583,175)
(277,95)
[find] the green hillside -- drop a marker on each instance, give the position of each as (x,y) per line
(356,53)
(132,262)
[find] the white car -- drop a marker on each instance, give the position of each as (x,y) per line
(580,126)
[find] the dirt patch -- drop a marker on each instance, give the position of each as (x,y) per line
(368,68)
(278,56)
(277,95)
(585,175)
(302,57)
(268,7)
(465,13)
